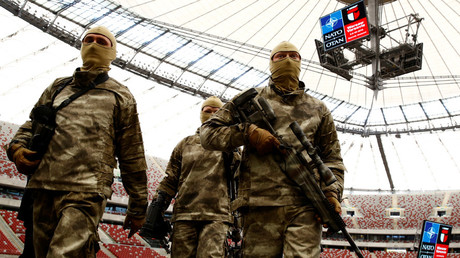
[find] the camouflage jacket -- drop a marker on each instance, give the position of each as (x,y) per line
(261,181)
(199,179)
(92,133)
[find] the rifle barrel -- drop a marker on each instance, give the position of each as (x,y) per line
(352,243)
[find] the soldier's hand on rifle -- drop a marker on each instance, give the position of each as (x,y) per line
(132,224)
(337,208)
(25,159)
(335,203)
(262,140)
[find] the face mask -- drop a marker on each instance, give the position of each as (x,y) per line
(212,101)
(97,57)
(204,116)
(285,74)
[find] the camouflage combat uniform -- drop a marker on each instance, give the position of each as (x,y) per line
(74,178)
(201,212)
(276,214)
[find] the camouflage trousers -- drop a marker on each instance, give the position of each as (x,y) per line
(274,231)
(198,238)
(65,223)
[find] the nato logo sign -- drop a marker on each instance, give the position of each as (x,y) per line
(344,26)
(435,240)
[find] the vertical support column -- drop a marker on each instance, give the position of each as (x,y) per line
(374,20)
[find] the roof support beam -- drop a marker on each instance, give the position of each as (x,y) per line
(385,161)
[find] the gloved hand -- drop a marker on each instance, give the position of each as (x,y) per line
(262,140)
(337,208)
(133,224)
(25,159)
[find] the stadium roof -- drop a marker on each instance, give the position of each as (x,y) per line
(173,53)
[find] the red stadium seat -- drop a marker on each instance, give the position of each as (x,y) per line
(119,235)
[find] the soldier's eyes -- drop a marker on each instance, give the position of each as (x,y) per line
(98,40)
(295,56)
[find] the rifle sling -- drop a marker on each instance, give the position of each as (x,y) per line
(99,79)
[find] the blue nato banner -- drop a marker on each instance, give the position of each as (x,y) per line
(435,240)
(345,25)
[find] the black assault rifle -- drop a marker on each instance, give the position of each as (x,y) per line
(155,226)
(294,164)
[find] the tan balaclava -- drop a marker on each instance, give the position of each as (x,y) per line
(285,72)
(97,57)
(212,102)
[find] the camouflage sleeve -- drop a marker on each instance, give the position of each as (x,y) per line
(170,182)
(129,144)
(22,136)
(131,157)
(329,146)
(24,133)
(222,131)
(135,185)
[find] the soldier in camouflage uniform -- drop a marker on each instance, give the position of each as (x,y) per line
(73,179)
(201,213)
(277,218)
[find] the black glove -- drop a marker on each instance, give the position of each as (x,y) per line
(156,226)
